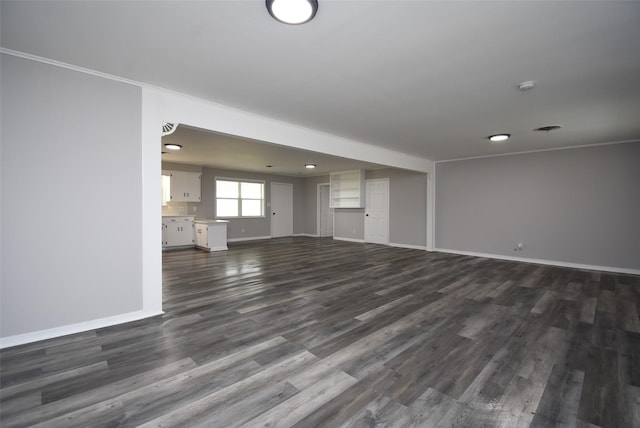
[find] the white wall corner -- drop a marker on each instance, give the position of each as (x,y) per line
(35,336)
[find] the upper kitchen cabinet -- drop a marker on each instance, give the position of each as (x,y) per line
(183,186)
(347,189)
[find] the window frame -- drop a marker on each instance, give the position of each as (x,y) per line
(239,199)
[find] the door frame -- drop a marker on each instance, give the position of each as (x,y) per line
(318,205)
(388,181)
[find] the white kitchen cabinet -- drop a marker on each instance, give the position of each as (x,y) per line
(177,231)
(347,189)
(211,235)
(184,186)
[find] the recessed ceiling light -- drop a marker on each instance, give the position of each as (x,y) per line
(310,166)
(172,146)
(292,11)
(499,137)
(548,128)
(269,166)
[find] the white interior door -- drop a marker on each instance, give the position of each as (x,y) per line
(376,220)
(281,209)
(325,212)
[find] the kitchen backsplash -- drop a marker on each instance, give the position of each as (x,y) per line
(177,208)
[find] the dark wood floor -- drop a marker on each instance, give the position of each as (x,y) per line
(315,332)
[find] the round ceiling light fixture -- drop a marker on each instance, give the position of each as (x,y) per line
(172,146)
(292,12)
(310,165)
(496,138)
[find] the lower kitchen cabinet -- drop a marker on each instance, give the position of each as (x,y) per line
(177,231)
(211,235)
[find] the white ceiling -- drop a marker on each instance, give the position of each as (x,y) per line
(428,78)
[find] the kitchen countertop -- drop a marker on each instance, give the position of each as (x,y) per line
(210,221)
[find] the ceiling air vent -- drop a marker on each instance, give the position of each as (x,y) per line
(168,128)
(548,128)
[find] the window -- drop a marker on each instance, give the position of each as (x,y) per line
(236,198)
(166,189)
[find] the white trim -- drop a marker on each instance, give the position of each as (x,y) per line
(339,238)
(544,262)
(318,204)
(431,211)
(21,339)
(310,235)
(583,146)
(411,247)
(72,67)
(251,238)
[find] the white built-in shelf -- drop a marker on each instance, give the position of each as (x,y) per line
(347,189)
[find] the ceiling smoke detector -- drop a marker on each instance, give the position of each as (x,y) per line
(168,128)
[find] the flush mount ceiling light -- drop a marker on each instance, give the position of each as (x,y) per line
(310,166)
(172,146)
(292,11)
(499,137)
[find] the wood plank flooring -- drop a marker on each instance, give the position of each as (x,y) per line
(311,332)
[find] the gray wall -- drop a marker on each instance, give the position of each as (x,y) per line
(348,223)
(71,194)
(253,227)
(573,206)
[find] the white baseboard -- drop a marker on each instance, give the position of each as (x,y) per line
(310,235)
(544,262)
(411,247)
(252,238)
(339,238)
(21,339)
